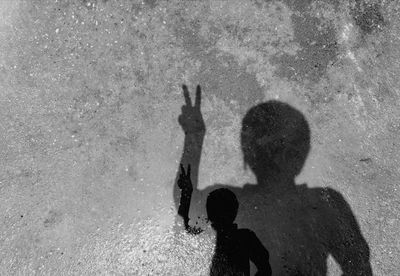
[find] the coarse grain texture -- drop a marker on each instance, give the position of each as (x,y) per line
(90,93)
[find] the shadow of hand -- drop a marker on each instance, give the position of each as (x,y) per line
(191,119)
(184,181)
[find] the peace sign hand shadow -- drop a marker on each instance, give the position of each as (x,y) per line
(184,181)
(191,119)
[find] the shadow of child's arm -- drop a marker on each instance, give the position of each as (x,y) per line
(192,123)
(185,184)
(259,255)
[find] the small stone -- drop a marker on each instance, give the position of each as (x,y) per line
(162,258)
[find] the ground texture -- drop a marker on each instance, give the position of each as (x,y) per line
(90,92)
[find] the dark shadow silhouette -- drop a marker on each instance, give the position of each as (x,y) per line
(234,247)
(300,226)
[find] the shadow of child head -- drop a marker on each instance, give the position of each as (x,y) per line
(222,207)
(275,140)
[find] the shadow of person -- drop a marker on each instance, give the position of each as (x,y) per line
(300,226)
(234,247)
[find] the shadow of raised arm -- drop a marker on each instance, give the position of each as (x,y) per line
(192,123)
(185,184)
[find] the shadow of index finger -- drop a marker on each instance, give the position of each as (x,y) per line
(197,102)
(188,101)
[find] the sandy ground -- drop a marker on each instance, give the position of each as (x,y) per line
(90,92)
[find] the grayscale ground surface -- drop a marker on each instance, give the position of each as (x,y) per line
(90,92)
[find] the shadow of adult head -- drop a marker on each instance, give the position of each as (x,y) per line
(300,226)
(275,141)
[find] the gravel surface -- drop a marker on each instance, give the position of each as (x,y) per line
(90,93)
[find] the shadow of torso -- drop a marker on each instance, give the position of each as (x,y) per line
(299,227)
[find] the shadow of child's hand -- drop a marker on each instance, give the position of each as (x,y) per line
(184,181)
(191,119)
